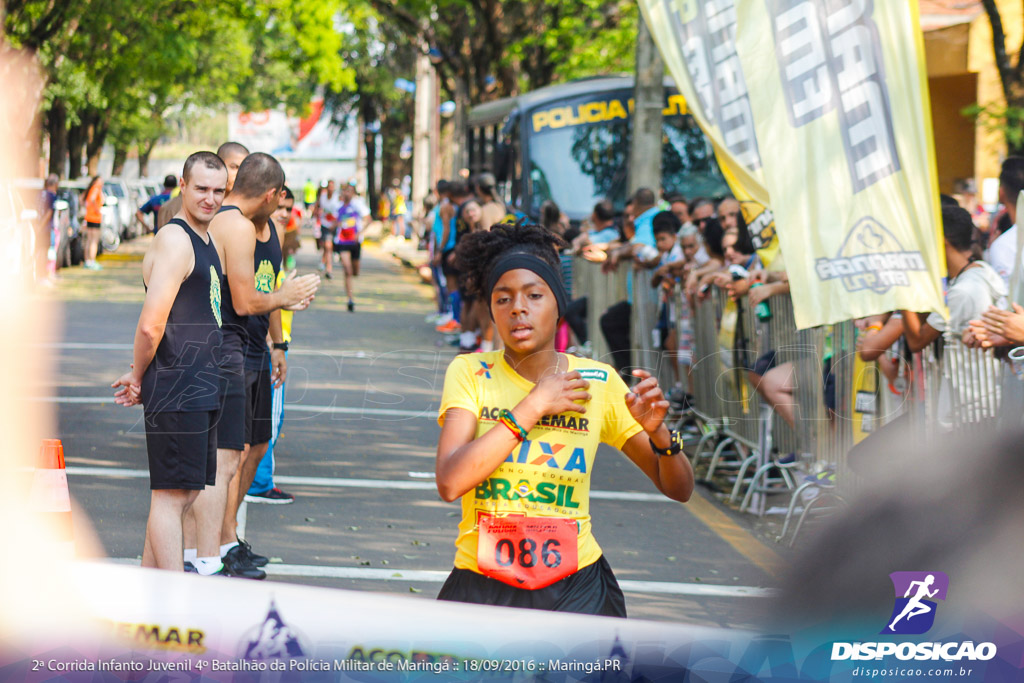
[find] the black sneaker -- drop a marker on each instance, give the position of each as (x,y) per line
(190,568)
(328,275)
(351,306)
(274,496)
(236,563)
(254,559)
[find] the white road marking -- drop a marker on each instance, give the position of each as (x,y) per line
(330,482)
(699,590)
(334,353)
(429,413)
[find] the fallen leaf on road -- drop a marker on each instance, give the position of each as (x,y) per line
(414,590)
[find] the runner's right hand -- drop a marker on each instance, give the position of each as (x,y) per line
(296,290)
(558,394)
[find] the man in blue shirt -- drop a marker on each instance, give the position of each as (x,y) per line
(155,202)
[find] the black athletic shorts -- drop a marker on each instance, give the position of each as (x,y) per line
(447,267)
(231,427)
(94,226)
(182,449)
(354,248)
(259,399)
(591,590)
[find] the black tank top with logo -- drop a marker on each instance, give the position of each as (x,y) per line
(267,265)
(233,352)
(184,375)
(462,228)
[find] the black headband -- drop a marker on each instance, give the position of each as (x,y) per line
(521,259)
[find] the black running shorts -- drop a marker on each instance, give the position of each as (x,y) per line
(447,266)
(182,449)
(591,590)
(231,427)
(354,248)
(259,400)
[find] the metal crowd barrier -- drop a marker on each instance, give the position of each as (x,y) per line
(647,344)
(839,399)
(602,291)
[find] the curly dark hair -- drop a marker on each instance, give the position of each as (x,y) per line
(478,251)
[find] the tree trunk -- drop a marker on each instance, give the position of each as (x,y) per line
(144,151)
(57,130)
(368,116)
(645,143)
(120,157)
(94,148)
(76,144)
(371,168)
(460,154)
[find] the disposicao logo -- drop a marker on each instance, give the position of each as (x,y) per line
(916,593)
(913,614)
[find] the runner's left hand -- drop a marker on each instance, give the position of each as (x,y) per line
(647,403)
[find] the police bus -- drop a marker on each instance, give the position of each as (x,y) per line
(570,143)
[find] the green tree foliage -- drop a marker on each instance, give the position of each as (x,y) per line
(117,69)
(520,44)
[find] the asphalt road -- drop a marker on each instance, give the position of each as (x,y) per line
(357,451)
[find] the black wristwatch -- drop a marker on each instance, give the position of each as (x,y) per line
(675,445)
(280,346)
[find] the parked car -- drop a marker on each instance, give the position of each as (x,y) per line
(70,247)
(118,195)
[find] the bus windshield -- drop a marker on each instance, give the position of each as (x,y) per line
(579,154)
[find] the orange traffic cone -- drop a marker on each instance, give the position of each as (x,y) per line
(50,498)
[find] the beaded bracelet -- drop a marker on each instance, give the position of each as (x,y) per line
(508,419)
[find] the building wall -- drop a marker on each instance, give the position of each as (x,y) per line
(954,132)
(989,148)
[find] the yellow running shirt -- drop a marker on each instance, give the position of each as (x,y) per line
(548,475)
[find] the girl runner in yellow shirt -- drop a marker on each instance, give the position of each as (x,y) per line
(519,431)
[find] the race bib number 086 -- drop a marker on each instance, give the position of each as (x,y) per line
(527,552)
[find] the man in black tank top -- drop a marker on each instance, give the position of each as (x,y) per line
(175,373)
(250,252)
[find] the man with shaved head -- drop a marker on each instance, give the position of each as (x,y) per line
(232,154)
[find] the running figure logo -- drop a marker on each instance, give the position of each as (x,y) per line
(485,370)
(914,612)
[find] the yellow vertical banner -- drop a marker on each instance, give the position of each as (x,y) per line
(839,94)
(836,92)
(696,40)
